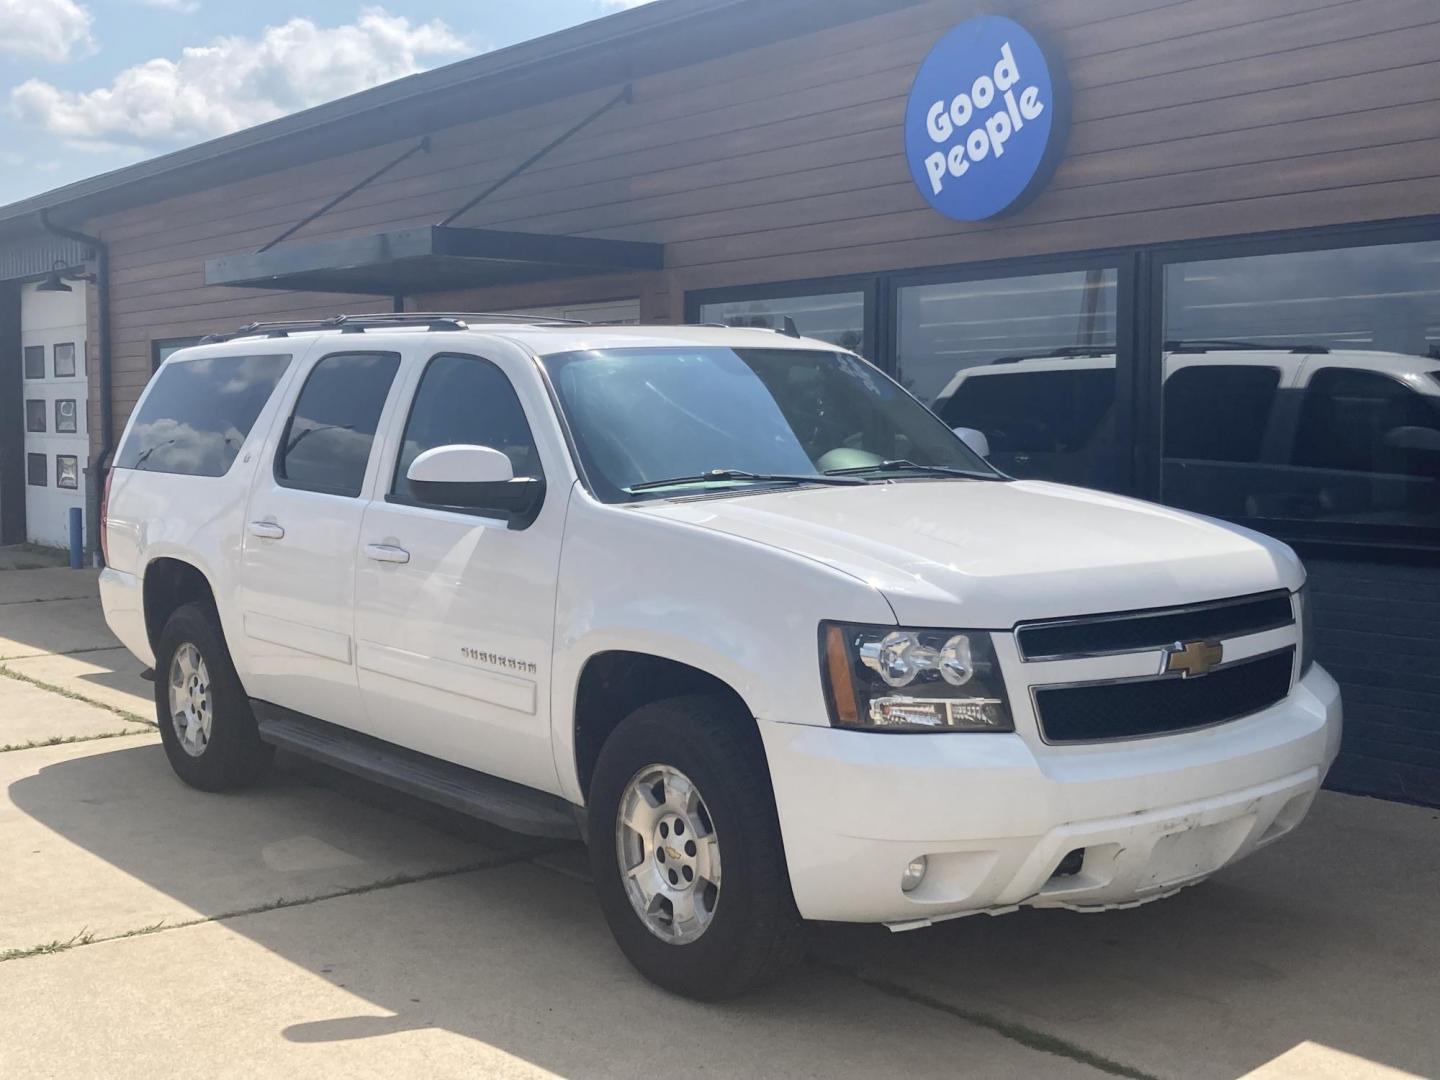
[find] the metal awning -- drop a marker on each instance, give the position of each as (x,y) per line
(431,259)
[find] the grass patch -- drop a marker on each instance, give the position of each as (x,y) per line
(65,692)
(62,740)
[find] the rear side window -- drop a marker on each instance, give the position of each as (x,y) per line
(1218,412)
(199,412)
(328,437)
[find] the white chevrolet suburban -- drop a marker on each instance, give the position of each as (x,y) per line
(728,603)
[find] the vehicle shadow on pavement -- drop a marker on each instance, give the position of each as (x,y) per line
(1328,937)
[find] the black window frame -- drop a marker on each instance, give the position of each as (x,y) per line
(78,411)
(159,345)
(25,353)
(43,413)
(488,514)
(1340,539)
(1140,320)
(31,472)
(67,487)
(77,369)
(281,447)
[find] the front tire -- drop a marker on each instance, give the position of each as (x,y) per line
(206,725)
(686,854)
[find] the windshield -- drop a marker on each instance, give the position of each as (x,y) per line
(642,415)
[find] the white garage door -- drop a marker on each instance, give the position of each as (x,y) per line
(52,337)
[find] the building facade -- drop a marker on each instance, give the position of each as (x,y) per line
(1217,284)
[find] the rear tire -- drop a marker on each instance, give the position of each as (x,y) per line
(206,725)
(683,768)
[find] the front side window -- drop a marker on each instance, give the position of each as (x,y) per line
(838,318)
(464,400)
(35,413)
(1329,408)
(34,361)
(37,470)
(198,412)
(639,416)
(327,440)
(1028,361)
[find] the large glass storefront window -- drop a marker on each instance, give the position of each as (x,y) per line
(1305,386)
(838,318)
(1027,361)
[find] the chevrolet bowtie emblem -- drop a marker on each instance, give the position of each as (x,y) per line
(1191,658)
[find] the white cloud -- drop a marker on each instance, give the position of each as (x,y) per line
(182,7)
(50,29)
(623,4)
(236,82)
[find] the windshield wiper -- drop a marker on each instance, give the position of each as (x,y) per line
(718,475)
(911,466)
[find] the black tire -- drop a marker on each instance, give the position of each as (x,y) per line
(755,933)
(234,756)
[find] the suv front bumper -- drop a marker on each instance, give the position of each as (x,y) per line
(995,815)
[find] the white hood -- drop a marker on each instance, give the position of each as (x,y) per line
(988,555)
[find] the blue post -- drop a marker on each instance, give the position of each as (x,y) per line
(77,539)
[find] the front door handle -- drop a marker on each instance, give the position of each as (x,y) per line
(387,553)
(266,530)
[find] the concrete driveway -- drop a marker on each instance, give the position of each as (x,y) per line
(319,927)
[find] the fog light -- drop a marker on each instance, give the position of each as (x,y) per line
(914,874)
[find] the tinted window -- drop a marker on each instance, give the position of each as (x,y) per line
(35,413)
(328,437)
(463,399)
(37,470)
(197,414)
(34,361)
(1354,432)
(1218,413)
(1039,412)
(1366,421)
(1041,419)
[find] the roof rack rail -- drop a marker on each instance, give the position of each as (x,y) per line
(358,324)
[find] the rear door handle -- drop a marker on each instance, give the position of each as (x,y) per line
(266,530)
(387,553)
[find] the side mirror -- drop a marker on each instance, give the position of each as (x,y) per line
(974,439)
(474,478)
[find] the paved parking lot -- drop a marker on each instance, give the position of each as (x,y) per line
(318,927)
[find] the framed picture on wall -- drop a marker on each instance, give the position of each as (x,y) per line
(67,416)
(65,360)
(67,471)
(34,361)
(34,415)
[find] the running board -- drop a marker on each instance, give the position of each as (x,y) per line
(489,798)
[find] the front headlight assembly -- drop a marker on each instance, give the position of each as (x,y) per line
(883,678)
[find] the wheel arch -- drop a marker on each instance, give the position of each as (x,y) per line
(615,682)
(168,584)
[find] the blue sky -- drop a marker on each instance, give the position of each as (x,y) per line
(91,85)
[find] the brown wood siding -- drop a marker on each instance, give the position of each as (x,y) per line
(1192,118)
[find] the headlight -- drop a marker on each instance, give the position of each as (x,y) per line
(1305,625)
(883,678)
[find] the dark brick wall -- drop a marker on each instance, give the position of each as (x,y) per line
(1378,631)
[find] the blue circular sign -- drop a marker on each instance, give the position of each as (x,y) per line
(986,121)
